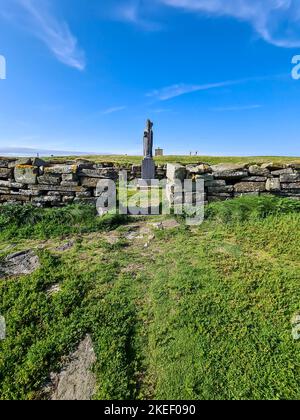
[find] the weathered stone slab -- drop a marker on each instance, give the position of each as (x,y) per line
(198,169)
(58,188)
(273,166)
(214,183)
(231,167)
(49,179)
(4,190)
(69,177)
(46,199)
(91,201)
(99,173)
(26,174)
(291,186)
(90,182)
(5,163)
(256,170)
(9,197)
(76,381)
(250,187)
(5,173)
(5,184)
(86,194)
(273,184)
(255,179)
(39,162)
(230,172)
(219,190)
(24,161)
(205,177)
(287,171)
(61,169)
(290,178)
(28,193)
(21,263)
(176,172)
(69,184)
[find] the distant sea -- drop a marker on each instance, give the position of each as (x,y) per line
(30,152)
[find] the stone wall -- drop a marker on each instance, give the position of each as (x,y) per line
(224,182)
(54,183)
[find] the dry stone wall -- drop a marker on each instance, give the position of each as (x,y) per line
(53,183)
(224,182)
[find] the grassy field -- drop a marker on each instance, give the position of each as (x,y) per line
(124,159)
(200,313)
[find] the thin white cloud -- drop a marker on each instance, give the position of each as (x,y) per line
(174,91)
(113,110)
(37,17)
(236,108)
(180,89)
(135,12)
(276,21)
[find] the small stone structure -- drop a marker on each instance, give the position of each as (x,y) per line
(53,183)
(159,152)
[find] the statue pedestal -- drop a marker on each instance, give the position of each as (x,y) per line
(148,169)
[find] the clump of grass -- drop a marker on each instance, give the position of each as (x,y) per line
(27,221)
(250,208)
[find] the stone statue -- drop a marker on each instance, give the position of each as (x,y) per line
(148,165)
(148,140)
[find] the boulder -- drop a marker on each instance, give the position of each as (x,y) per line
(176,172)
(256,170)
(26,174)
(273,184)
(21,263)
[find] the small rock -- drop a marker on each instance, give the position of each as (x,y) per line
(20,263)
(66,246)
(53,290)
(75,382)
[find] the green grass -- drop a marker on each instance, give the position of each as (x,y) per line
(30,222)
(213,160)
(203,313)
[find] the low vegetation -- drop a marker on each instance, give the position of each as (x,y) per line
(200,313)
(185,160)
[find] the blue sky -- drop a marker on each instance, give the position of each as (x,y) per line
(214,75)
